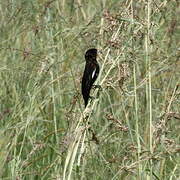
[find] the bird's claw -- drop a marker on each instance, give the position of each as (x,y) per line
(92,97)
(97,87)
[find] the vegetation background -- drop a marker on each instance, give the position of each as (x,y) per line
(130,131)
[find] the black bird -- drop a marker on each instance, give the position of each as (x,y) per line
(91,73)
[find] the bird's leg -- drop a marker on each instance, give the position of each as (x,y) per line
(92,97)
(97,87)
(98,92)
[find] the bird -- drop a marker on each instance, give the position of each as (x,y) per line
(90,75)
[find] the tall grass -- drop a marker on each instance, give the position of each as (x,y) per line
(130,130)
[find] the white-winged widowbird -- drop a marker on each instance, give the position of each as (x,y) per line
(91,73)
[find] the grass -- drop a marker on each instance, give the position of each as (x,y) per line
(131,131)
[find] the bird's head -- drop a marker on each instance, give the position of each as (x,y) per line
(91,54)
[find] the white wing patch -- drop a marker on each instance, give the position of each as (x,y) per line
(93,73)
